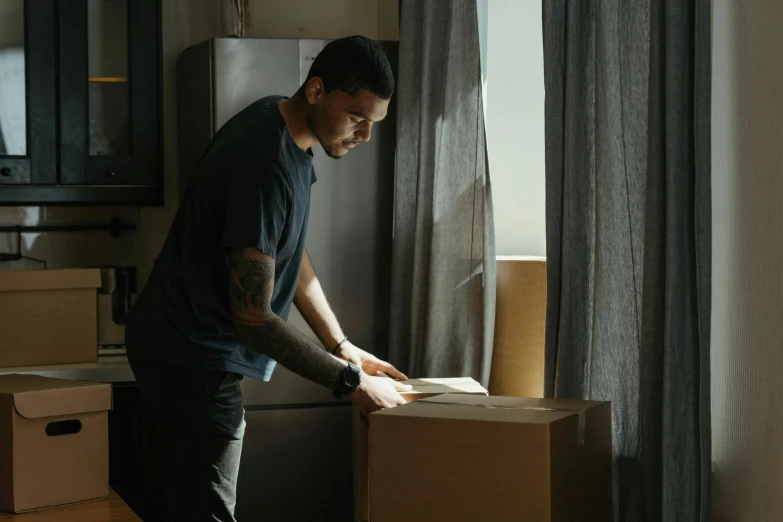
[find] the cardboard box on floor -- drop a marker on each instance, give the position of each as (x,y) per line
(49,317)
(54,442)
(422,388)
(520,320)
(500,459)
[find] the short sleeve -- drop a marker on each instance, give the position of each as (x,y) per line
(257,208)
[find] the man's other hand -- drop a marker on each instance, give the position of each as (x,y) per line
(369,363)
(378,392)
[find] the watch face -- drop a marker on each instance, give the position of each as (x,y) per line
(352,376)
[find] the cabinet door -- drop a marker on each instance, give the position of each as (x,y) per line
(28,151)
(109,92)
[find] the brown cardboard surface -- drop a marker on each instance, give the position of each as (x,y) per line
(49,317)
(422,389)
(486,411)
(36,397)
(520,318)
(69,279)
(582,473)
(18,383)
(40,470)
(500,459)
(502,409)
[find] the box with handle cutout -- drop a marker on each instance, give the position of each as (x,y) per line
(54,446)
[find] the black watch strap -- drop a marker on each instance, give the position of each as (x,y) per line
(349,380)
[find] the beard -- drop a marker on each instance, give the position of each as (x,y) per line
(331,151)
(328,143)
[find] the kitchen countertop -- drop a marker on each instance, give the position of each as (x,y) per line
(108,368)
(113,509)
(285,388)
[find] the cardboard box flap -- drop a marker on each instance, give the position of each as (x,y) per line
(52,403)
(495,409)
(440,381)
(26,280)
(36,397)
(505,409)
(429,387)
(520,403)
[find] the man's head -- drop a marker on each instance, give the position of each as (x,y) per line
(347,90)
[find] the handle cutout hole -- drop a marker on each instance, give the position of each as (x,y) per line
(66,427)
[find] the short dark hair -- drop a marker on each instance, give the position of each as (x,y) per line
(352,64)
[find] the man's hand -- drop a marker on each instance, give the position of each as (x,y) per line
(369,363)
(378,393)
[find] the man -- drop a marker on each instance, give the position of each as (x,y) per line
(215,306)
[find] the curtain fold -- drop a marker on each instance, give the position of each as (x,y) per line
(628,238)
(443,263)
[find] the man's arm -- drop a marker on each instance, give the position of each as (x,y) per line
(312,304)
(251,282)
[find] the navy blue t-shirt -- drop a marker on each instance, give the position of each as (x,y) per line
(251,189)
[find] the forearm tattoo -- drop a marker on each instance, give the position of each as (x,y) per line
(251,283)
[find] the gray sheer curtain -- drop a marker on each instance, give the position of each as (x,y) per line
(443,266)
(628,238)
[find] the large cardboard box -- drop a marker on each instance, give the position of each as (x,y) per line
(49,317)
(500,459)
(54,442)
(520,321)
(422,388)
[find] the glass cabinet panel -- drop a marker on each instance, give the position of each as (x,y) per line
(13,102)
(109,118)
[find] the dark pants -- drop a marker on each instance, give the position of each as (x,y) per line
(192,427)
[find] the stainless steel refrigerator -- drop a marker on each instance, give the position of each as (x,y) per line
(296,463)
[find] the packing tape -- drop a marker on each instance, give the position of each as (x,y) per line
(580,434)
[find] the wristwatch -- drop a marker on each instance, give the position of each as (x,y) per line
(349,380)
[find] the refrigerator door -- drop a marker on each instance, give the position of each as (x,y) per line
(247,69)
(285,388)
(296,466)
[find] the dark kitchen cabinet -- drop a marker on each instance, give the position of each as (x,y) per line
(80,102)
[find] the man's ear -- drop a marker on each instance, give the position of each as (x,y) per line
(314,90)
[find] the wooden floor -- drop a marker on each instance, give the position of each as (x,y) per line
(112,509)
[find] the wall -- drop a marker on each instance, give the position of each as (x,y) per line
(185,22)
(515,125)
(747,330)
(377,19)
